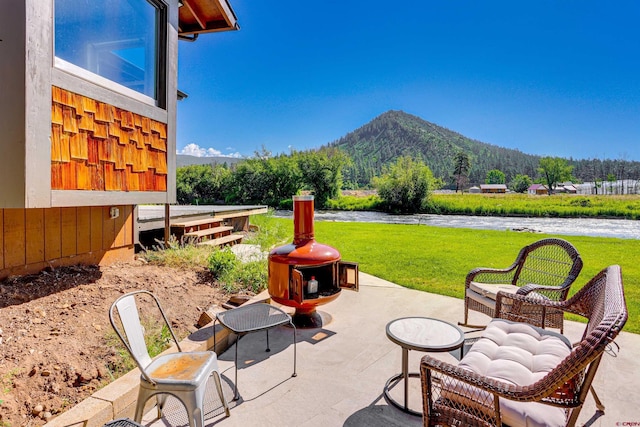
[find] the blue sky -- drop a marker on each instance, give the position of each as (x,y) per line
(547,77)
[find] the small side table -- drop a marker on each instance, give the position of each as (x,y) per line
(253,318)
(421,334)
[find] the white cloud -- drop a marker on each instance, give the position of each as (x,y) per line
(197,151)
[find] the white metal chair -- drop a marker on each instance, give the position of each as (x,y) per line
(183,375)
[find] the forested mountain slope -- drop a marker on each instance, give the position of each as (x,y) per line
(396,133)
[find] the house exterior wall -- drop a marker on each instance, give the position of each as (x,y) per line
(34,239)
(32,129)
(73,147)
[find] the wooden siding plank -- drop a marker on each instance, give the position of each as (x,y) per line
(56,136)
(119,240)
(87,122)
(161,183)
(128,225)
(77,104)
(96,228)
(2,238)
(100,130)
(83,176)
(133,183)
(14,237)
(56,176)
(83,229)
(56,114)
(146,125)
(65,153)
(52,234)
(97,177)
(78,146)
(108,229)
(69,123)
(93,153)
(69,178)
(34,232)
(88,105)
(69,232)
(104,113)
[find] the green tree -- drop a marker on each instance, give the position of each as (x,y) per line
(405,186)
(495,176)
(611,178)
(321,172)
(461,167)
(266,180)
(202,184)
(553,171)
(521,183)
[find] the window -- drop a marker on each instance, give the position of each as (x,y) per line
(122,41)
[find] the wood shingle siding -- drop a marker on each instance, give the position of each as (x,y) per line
(96,146)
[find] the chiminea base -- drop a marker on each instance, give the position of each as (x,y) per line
(311,319)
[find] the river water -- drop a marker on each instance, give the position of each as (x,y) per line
(622,228)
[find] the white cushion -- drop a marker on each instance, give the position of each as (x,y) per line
(519,354)
(491,290)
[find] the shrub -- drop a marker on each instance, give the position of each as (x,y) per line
(222,261)
(405,186)
(248,277)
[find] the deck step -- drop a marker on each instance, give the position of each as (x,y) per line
(197,222)
(208,231)
(231,238)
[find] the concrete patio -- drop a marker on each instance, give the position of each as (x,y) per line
(342,368)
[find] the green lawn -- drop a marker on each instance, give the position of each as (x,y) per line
(435,259)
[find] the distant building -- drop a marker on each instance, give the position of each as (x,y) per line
(627,186)
(493,188)
(474,190)
(535,189)
(566,187)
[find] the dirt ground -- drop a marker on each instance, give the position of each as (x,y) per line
(54,328)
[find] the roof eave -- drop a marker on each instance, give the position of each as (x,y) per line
(206,16)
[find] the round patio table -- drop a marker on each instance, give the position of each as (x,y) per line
(421,334)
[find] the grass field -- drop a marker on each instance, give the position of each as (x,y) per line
(436,260)
(558,205)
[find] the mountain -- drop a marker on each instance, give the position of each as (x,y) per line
(186,160)
(396,133)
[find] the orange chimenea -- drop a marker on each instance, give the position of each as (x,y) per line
(292,266)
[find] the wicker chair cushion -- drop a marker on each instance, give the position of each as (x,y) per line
(520,354)
(490,290)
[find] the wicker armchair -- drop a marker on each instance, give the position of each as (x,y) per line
(547,267)
(486,393)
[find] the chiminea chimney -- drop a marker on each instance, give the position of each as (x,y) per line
(302,219)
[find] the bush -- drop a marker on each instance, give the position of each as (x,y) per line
(405,186)
(221,262)
(249,277)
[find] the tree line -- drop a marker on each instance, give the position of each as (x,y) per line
(404,186)
(264,179)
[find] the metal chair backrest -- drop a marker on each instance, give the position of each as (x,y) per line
(132,334)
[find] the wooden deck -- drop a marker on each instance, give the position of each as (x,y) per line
(211,225)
